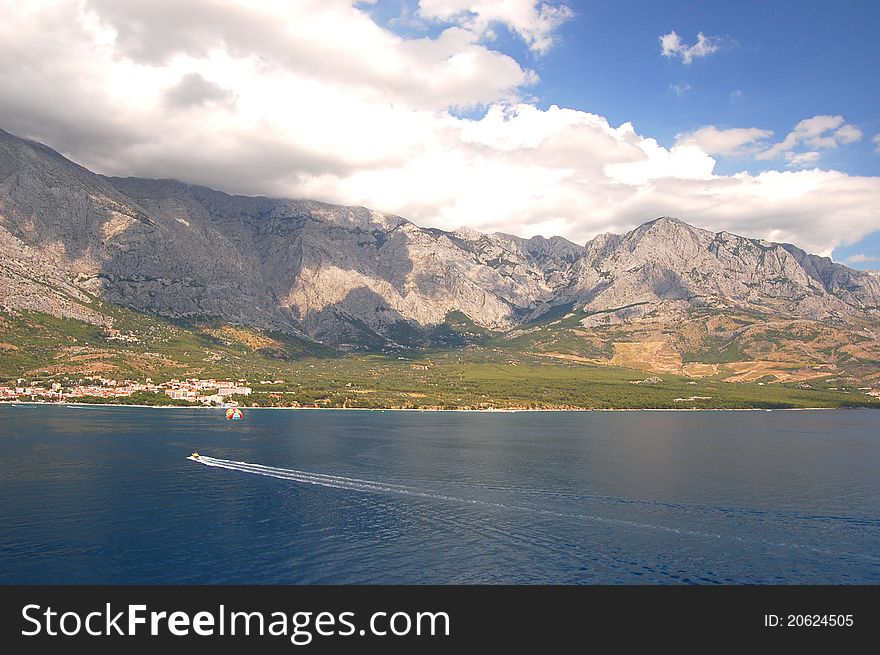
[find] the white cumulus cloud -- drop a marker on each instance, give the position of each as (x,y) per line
(734,142)
(536,22)
(819,132)
(671,45)
(802,159)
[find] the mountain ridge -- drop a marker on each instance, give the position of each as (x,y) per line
(355,278)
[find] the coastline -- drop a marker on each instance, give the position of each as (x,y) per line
(470,411)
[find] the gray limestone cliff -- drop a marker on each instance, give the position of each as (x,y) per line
(350,275)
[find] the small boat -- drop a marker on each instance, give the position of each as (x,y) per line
(194,456)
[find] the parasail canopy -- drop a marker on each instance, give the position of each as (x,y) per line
(234,414)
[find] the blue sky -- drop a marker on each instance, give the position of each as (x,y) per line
(550,117)
(781,60)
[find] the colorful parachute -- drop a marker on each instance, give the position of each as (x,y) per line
(234,414)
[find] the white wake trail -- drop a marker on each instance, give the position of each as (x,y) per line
(358,484)
(336,481)
(374,486)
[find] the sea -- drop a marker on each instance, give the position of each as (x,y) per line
(107,495)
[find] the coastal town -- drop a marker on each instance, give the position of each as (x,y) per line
(211,392)
(192,390)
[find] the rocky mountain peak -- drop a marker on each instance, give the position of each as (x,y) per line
(468,233)
(351,276)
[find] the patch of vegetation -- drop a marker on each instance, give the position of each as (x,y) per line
(490,372)
(716,351)
(137,398)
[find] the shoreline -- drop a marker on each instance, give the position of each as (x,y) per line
(481,411)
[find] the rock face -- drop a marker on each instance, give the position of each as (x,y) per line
(349,275)
(670,264)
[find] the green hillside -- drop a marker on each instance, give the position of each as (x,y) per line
(481,370)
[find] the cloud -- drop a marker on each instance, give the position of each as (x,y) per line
(671,45)
(535,22)
(321,40)
(819,132)
(315,100)
(876,141)
(847,134)
(801,159)
(735,142)
(861,258)
(193,90)
(680,88)
(736,95)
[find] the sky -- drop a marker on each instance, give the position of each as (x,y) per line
(566,118)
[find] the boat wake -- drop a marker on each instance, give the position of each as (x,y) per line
(517,504)
(334,481)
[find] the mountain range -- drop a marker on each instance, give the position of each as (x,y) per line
(666,296)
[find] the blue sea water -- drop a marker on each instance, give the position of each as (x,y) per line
(107,495)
